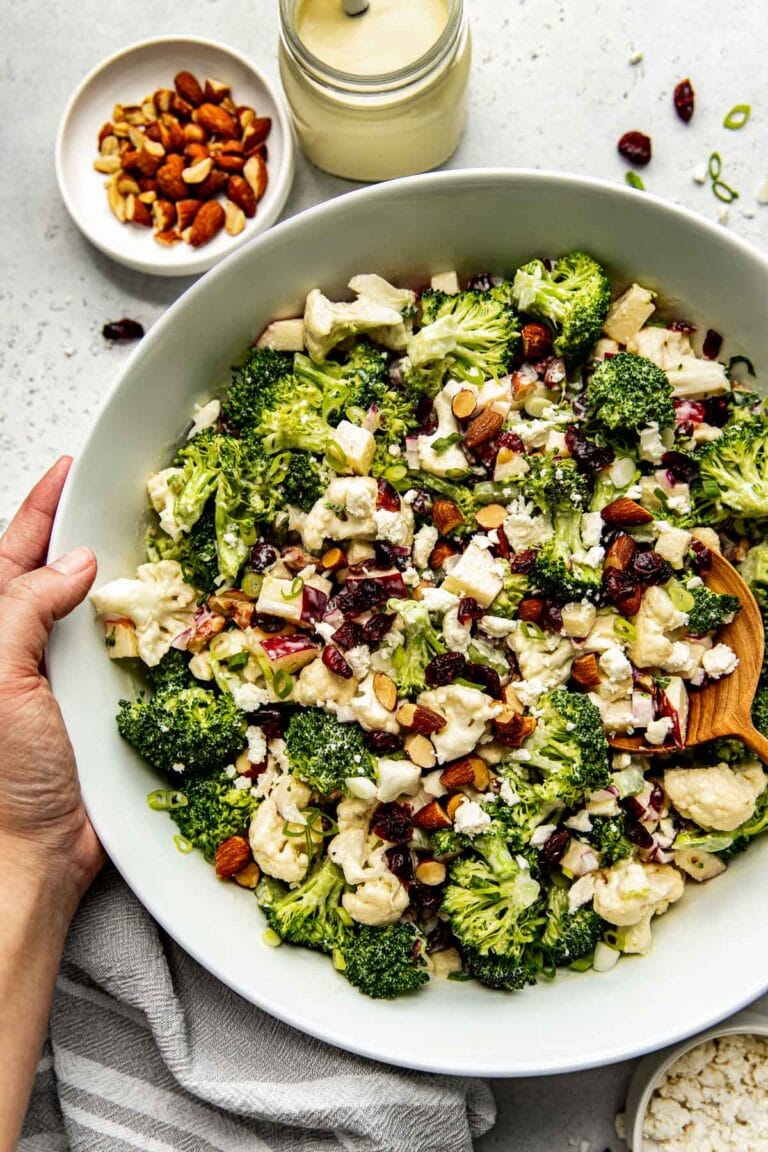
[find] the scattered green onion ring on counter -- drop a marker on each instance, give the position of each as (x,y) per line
(737,117)
(282,682)
(724,191)
(634,181)
(183,845)
(337,458)
(297,585)
(715,166)
(165,800)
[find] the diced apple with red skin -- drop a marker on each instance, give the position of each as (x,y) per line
(392,582)
(276,599)
(676,708)
(120,636)
(288,653)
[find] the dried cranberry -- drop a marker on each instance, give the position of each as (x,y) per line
(426,415)
(637,834)
(684,429)
(262,556)
(501,547)
(588,456)
(717,410)
(620,587)
(392,822)
(421,504)
(122,330)
(267,623)
(713,342)
(487,452)
(425,901)
(523,562)
(255,770)
(440,937)
(485,676)
(349,635)
(681,326)
(650,568)
(480,282)
(444,669)
(375,629)
(469,609)
(334,660)
(360,597)
(689,410)
(554,848)
(683,100)
(512,441)
(681,467)
(551,617)
(636,148)
(271,721)
(383,742)
(701,555)
(392,555)
(656,798)
(386,496)
(400,863)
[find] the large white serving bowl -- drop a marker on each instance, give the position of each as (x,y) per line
(709,957)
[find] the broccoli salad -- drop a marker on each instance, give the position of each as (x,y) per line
(407,576)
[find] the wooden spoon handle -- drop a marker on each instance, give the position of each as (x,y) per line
(755,741)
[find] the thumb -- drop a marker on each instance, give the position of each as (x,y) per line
(31,603)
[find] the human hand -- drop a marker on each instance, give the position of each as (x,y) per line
(42,818)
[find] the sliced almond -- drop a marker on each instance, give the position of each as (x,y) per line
(585,670)
(249,876)
(511,698)
(234,218)
(385,691)
(420,750)
(464,404)
(110,145)
(470,772)
(163,99)
(116,201)
(127,186)
(420,719)
(136,137)
(198,172)
(148,197)
(432,817)
(491,516)
(333,559)
(107,164)
(454,803)
(446,515)
(154,148)
(511,728)
(431,872)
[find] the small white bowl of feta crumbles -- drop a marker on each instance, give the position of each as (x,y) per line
(709,1094)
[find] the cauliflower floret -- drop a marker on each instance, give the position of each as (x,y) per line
(652,447)
(602,635)
(471,818)
(162,497)
(318,687)
(457,635)
(345,512)
(357,855)
(657,616)
(326,324)
(357,445)
(689,376)
(524,527)
(277,853)
(616,715)
(397,777)
(452,459)
(369,712)
(467,712)
(353,813)
(626,893)
(377,902)
(719,797)
(158,602)
(369,286)
(546,658)
(395,527)
(204,416)
(423,543)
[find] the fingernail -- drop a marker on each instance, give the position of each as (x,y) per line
(74,561)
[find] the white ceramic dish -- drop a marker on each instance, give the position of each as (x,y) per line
(405,229)
(127,77)
(652,1069)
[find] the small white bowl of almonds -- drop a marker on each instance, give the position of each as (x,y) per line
(172,153)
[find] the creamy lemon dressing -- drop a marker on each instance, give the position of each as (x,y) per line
(388,36)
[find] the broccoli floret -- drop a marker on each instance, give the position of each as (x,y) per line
(754,569)
(628,392)
(420,644)
(188,731)
(172,673)
(352,384)
(324,753)
(535,804)
(201,464)
(710,610)
(574,296)
(255,382)
(746,832)
(310,915)
(568,745)
(473,333)
(568,936)
(385,962)
(305,480)
(508,973)
(195,551)
(556,485)
(561,570)
(516,585)
(733,474)
(609,838)
(214,811)
(243,495)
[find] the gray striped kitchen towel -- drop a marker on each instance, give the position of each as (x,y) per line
(147,1050)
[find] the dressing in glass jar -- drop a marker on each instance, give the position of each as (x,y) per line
(377,95)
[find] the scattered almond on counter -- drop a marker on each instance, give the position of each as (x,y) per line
(169,158)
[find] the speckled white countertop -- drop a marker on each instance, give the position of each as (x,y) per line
(553,86)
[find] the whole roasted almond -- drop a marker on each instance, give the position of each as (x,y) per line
(255,132)
(231,857)
(136,212)
(483,428)
(181,107)
(420,719)
(470,772)
(628,604)
(195,134)
(464,404)
(255,172)
(239,191)
(625,513)
(169,181)
(431,817)
(385,691)
(188,88)
(216,121)
(195,151)
(619,552)
(168,237)
(214,182)
(537,341)
(245,115)
(531,609)
(198,172)
(234,218)
(204,631)
(585,671)
(512,728)
(186,210)
(208,223)
(420,750)
(446,515)
(230,161)
(163,215)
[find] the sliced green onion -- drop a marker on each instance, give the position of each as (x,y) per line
(624,629)
(737,117)
(443,443)
(710,488)
(634,181)
(271,938)
(355,415)
(282,683)
(337,458)
(680,596)
(715,166)
(395,473)
(734,360)
(163,800)
(581,965)
(724,191)
(238,661)
(279,466)
(470,374)
(337,959)
(297,584)
(251,584)
(184,846)
(530,630)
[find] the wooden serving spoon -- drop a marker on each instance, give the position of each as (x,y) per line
(722,708)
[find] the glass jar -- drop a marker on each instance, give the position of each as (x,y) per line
(376,127)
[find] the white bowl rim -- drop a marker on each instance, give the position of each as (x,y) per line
(663,1036)
(280,180)
(650,1072)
